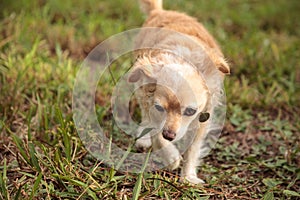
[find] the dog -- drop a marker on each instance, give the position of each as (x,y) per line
(181,69)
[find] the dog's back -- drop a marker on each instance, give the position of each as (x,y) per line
(182,23)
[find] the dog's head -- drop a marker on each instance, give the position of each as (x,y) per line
(176,95)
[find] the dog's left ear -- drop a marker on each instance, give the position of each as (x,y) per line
(220,62)
(222,65)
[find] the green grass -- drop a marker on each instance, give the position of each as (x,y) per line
(42,46)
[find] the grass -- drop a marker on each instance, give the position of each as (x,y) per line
(42,46)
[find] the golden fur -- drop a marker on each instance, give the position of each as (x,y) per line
(179,66)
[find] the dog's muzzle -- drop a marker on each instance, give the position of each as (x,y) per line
(169,135)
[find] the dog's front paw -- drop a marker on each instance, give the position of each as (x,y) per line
(143,144)
(172,157)
(193,179)
(174,164)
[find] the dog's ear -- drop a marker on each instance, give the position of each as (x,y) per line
(218,59)
(222,65)
(135,75)
(140,72)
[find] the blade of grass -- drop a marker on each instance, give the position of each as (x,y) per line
(144,132)
(124,157)
(89,192)
(3,178)
(39,112)
(138,185)
(21,148)
(28,117)
(75,182)
(33,157)
(110,139)
(66,138)
(36,185)
(17,196)
(110,72)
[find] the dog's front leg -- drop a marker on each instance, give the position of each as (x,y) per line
(191,157)
(166,150)
(144,142)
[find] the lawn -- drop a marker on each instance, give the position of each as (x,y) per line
(42,46)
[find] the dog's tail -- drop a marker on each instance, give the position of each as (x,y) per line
(148,5)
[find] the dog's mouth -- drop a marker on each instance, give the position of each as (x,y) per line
(169,135)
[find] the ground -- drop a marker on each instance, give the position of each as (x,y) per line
(43,44)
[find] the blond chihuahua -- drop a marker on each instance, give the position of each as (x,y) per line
(181,68)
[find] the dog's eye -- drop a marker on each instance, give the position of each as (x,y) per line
(159,108)
(189,111)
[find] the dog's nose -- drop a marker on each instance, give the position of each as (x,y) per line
(169,135)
